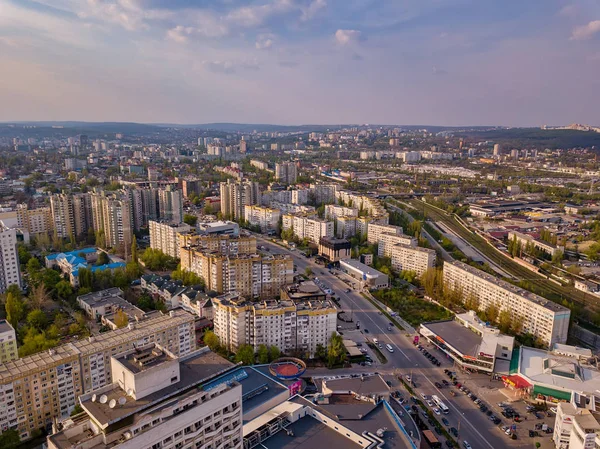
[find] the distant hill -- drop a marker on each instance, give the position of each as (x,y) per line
(536,137)
(94,128)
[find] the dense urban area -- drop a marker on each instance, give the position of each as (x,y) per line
(242,286)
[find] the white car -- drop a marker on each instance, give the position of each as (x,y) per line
(467,445)
(408,378)
(423,395)
(437,411)
(429,403)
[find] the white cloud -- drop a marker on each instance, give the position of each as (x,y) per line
(312,9)
(347,37)
(179,34)
(229,67)
(257,15)
(264,41)
(586,31)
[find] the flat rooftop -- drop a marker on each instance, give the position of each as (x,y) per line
(5,326)
(140,360)
(196,368)
(365,385)
(456,335)
(309,433)
(357,265)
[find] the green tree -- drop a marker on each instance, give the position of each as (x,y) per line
(263,354)
(33,269)
(274,353)
(77,410)
(24,254)
(504,321)
(336,352)
(133,271)
(120,278)
(245,355)
(9,439)
(103,258)
(50,278)
(187,277)
(492,312)
(212,341)
(36,341)
(37,319)
(15,310)
(190,219)
(85,279)
(64,290)
(320,352)
(308,271)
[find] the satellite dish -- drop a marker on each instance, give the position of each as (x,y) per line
(130,392)
(112,403)
(103,399)
(127,435)
(122,400)
(94,397)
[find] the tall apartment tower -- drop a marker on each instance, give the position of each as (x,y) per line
(114,215)
(9,259)
(35,221)
(243,146)
(82,214)
(170,204)
(497,150)
(286,172)
(236,195)
(62,212)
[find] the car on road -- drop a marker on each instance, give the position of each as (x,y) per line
(408,379)
(423,395)
(437,411)
(348,290)
(429,403)
(366,331)
(437,384)
(467,445)
(454,432)
(449,444)
(445,382)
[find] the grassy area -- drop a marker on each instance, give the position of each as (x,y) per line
(410,308)
(388,316)
(382,358)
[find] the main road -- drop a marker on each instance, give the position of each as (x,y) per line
(474,426)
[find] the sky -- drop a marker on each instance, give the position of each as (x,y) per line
(434,62)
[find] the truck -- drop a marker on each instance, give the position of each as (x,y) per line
(430,439)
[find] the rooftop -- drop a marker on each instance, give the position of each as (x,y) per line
(456,335)
(308,433)
(195,369)
(5,326)
(357,265)
(140,360)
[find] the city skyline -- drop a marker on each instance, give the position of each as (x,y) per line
(300,61)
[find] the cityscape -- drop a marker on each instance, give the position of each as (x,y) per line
(186,262)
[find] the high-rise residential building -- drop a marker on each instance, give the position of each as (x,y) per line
(37,389)
(324,193)
(251,275)
(161,401)
(62,212)
(190,186)
(113,214)
(308,227)
(243,146)
(34,221)
(286,172)
(497,150)
(170,205)
(538,316)
(8,343)
(223,244)
(375,230)
(264,217)
(409,258)
(10,272)
(293,326)
(82,214)
(236,195)
(153,174)
(166,236)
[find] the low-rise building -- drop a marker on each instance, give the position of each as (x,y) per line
(371,278)
(71,262)
(471,343)
(525,239)
(334,249)
(105,304)
(576,424)
(218,227)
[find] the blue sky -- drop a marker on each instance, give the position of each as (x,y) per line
(446,62)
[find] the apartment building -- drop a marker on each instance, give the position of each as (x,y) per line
(324,193)
(36,389)
(286,172)
(82,215)
(375,230)
(387,240)
(265,217)
(332,211)
(526,239)
(158,401)
(236,195)
(8,342)
(251,275)
(170,204)
(223,244)
(308,227)
(409,258)
(10,271)
(259,164)
(542,318)
(292,326)
(113,214)
(167,236)
(190,186)
(34,221)
(299,196)
(62,212)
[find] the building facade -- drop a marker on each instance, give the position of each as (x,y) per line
(408,258)
(236,195)
(10,271)
(542,318)
(264,217)
(170,204)
(8,342)
(308,227)
(35,221)
(167,236)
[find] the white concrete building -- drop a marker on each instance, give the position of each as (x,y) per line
(8,343)
(292,326)
(542,318)
(10,271)
(166,236)
(309,227)
(375,230)
(364,273)
(286,172)
(526,239)
(264,217)
(576,426)
(409,258)
(387,240)
(161,401)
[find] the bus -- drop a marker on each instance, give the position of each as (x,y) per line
(443,407)
(431,440)
(389,348)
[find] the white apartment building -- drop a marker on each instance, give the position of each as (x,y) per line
(375,230)
(324,193)
(35,221)
(286,172)
(332,211)
(525,239)
(299,196)
(259,164)
(345,227)
(265,217)
(542,318)
(575,427)
(289,325)
(8,342)
(170,204)
(166,236)
(410,258)
(236,195)
(309,227)
(159,401)
(387,240)
(36,389)
(10,271)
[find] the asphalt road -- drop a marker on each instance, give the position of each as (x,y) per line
(475,427)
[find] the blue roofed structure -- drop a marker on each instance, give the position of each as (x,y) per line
(71,262)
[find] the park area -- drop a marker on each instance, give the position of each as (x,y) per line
(411,308)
